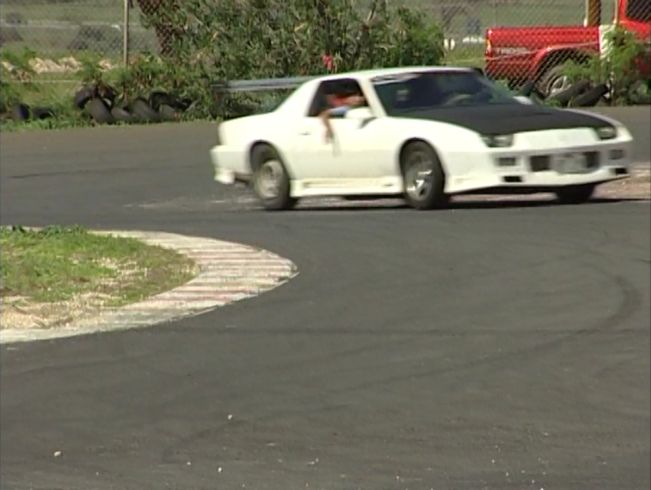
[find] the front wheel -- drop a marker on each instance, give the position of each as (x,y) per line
(553,81)
(423,176)
(575,194)
(270,179)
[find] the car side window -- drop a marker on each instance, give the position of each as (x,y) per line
(328,89)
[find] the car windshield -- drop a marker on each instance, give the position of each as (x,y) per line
(422,91)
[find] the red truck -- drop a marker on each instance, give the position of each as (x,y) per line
(521,54)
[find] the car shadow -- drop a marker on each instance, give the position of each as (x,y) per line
(533,203)
(465,203)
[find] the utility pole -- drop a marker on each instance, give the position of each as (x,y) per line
(125,34)
(592,13)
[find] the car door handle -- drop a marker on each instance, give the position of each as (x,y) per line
(304,132)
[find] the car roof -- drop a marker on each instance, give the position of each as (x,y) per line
(379,72)
(298,98)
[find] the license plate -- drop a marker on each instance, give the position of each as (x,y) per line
(570,163)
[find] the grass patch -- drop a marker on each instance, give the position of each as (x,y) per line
(60,263)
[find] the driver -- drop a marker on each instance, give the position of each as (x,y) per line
(339,103)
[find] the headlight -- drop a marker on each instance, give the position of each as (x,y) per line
(498,140)
(607,132)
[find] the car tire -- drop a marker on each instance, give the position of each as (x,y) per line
(423,177)
(83,96)
(167,113)
(121,115)
(42,113)
(158,98)
(143,111)
(591,97)
(270,179)
(99,111)
(575,194)
(20,112)
(564,97)
(108,93)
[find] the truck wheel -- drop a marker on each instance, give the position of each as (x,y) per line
(553,81)
(270,179)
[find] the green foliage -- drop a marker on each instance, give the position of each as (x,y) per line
(21,70)
(19,83)
(10,93)
(414,41)
(144,73)
(93,74)
(619,67)
(16,77)
(237,39)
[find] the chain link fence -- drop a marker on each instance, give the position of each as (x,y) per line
(67,27)
(116,29)
(62,28)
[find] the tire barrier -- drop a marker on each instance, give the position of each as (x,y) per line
(99,110)
(565,96)
(590,97)
(105,106)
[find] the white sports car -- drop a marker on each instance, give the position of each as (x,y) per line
(424,133)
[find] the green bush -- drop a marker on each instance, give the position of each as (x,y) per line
(204,43)
(619,67)
(236,39)
(16,77)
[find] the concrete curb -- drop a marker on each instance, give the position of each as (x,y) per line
(229,272)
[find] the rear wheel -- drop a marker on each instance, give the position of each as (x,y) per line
(575,194)
(423,176)
(270,179)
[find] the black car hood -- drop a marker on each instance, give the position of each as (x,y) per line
(507,118)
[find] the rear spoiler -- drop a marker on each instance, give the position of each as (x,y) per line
(264,84)
(235,86)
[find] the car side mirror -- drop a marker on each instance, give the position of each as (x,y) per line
(360,114)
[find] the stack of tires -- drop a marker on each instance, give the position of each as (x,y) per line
(580,94)
(24,112)
(104,106)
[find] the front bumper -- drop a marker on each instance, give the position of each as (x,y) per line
(544,170)
(536,162)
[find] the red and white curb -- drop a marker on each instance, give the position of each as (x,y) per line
(229,272)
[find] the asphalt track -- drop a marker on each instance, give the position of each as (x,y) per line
(501,346)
